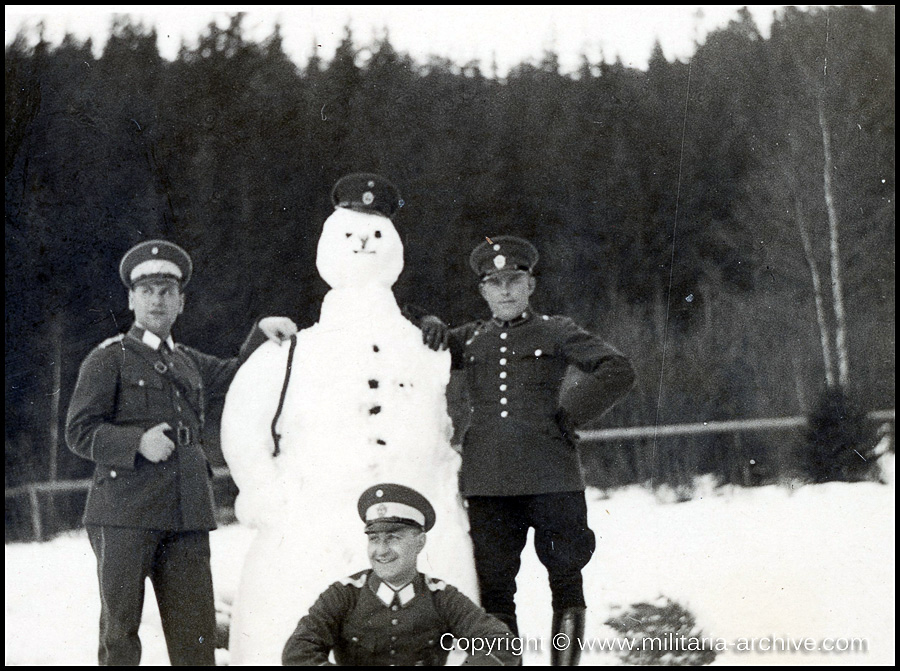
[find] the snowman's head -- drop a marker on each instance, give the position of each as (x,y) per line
(358,249)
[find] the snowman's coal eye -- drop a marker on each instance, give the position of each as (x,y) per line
(348,234)
(377,234)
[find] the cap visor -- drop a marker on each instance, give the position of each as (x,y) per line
(506,272)
(158,279)
(379,526)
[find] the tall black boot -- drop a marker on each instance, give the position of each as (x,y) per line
(568,621)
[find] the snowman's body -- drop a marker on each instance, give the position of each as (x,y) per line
(364,403)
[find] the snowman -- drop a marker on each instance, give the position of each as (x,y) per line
(356,400)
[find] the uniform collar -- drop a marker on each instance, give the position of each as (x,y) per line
(386,593)
(523,318)
(150,339)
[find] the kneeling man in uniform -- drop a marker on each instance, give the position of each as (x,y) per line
(391,614)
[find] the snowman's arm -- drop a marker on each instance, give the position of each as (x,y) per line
(250,406)
(319,632)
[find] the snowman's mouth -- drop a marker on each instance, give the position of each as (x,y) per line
(361,251)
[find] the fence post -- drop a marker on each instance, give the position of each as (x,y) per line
(55,402)
(35,513)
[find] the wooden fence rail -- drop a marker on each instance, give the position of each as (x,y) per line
(32,490)
(729,426)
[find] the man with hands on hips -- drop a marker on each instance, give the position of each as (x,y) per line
(137,412)
(520,463)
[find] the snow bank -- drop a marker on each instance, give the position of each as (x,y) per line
(773,562)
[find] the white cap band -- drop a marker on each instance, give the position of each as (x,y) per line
(155,267)
(384,509)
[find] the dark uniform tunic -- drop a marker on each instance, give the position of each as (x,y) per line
(143,518)
(513,370)
(365,623)
(520,469)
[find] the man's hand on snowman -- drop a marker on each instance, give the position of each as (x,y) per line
(278,329)
(435,333)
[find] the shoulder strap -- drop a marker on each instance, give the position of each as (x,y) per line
(109,341)
(287,378)
(357,580)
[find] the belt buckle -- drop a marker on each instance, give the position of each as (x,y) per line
(184,435)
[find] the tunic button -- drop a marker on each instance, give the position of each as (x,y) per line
(502,401)
(471,358)
(393,638)
(394,607)
(504,414)
(113,474)
(537,352)
(141,383)
(502,349)
(177,393)
(502,362)
(393,652)
(355,639)
(502,387)
(178,408)
(503,336)
(395,621)
(503,375)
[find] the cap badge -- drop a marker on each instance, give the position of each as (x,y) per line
(371,184)
(379,493)
(381,510)
(500,261)
(368,197)
(155,250)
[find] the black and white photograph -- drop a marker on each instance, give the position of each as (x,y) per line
(542,335)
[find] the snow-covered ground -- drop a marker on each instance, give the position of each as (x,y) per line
(776,564)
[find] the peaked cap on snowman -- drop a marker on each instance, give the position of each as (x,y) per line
(367,192)
(389,507)
(359,246)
